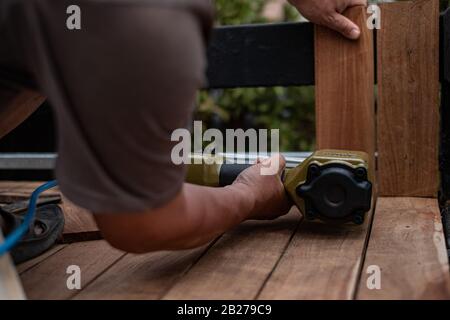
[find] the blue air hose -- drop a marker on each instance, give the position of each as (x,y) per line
(28,222)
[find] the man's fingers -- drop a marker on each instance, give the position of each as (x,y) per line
(281,162)
(276,163)
(344,26)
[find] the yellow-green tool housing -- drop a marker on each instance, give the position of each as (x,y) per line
(330,185)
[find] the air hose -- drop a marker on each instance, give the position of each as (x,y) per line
(15,236)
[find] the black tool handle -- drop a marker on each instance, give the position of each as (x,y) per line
(229,173)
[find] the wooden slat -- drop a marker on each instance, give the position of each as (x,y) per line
(238,265)
(12,191)
(10,286)
(408,92)
(48,280)
(407,244)
(27,265)
(15,106)
(345,116)
(323,261)
(144,277)
(79,225)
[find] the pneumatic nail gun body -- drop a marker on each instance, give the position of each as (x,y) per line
(330,185)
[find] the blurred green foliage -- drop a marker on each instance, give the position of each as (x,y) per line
(289,109)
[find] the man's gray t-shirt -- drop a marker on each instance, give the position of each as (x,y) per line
(119,87)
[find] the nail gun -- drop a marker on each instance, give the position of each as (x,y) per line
(329,185)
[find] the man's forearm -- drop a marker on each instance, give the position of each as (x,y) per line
(199,214)
(195,217)
(204,213)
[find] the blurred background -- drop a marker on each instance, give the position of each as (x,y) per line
(289,109)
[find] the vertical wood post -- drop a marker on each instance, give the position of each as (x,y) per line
(408,93)
(345,115)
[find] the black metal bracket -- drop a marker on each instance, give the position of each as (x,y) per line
(264,55)
(444,148)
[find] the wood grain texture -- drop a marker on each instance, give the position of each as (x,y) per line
(323,261)
(408,244)
(12,191)
(10,286)
(27,265)
(408,93)
(345,113)
(142,277)
(48,279)
(80,224)
(15,106)
(238,265)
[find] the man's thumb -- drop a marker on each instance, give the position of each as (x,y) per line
(345,26)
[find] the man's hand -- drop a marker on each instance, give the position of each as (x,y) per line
(267,191)
(329,13)
(198,214)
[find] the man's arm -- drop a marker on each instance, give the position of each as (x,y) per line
(329,13)
(197,214)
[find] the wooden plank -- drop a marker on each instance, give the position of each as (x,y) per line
(48,280)
(407,244)
(10,286)
(238,265)
(15,106)
(145,277)
(408,99)
(27,265)
(7,185)
(323,261)
(345,113)
(80,224)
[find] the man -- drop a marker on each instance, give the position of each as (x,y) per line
(119,87)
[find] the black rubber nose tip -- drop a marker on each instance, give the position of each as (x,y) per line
(336,191)
(335,195)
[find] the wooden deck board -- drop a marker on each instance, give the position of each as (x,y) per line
(79,225)
(142,277)
(407,244)
(11,191)
(264,260)
(48,279)
(344,71)
(238,265)
(408,99)
(261,260)
(322,262)
(27,265)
